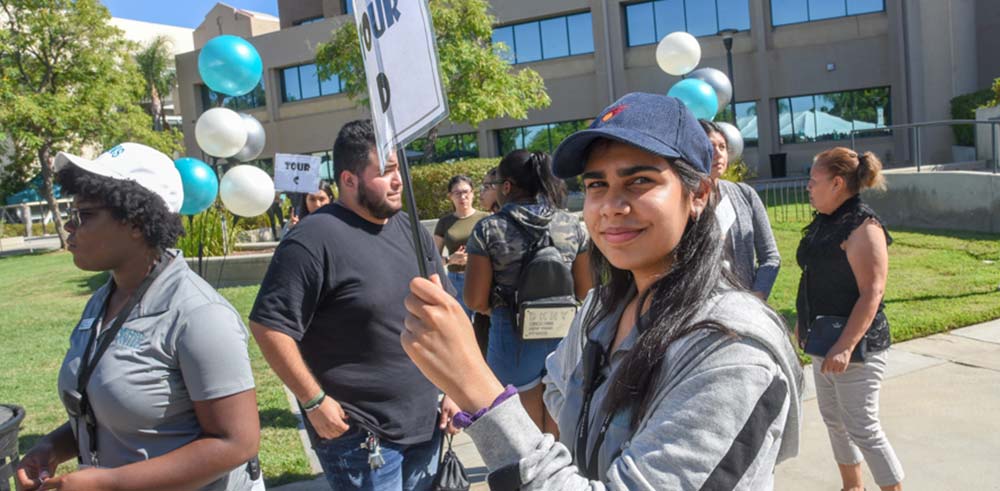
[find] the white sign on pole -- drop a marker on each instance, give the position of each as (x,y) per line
(401,66)
(296,173)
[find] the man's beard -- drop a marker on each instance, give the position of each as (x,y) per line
(378,206)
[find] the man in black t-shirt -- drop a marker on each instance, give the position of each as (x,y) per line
(328,319)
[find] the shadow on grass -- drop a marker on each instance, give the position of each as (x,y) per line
(286,478)
(921,298)
(278,418)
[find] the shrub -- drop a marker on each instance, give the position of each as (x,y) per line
(739,171)
(205,228)
(430,183)
(964,107)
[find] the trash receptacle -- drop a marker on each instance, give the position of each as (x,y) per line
(779,165)
(10,422)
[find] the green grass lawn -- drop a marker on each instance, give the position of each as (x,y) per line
(937,281)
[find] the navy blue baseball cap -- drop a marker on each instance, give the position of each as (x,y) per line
(658,124)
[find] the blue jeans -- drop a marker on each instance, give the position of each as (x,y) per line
(407,467)
(457,279)
(515,361)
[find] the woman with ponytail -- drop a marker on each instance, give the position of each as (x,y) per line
(671,377)
(845,261)
(529,195)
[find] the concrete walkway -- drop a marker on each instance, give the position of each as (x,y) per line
(940,406)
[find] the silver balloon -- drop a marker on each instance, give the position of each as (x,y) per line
(719,81)
(734,140)
(255,139)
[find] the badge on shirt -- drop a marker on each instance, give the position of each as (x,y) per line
(725,214)
(86,324)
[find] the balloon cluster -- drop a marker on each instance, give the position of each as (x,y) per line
(231,66)
(705,91)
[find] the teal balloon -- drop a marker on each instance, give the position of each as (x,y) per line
(230,65)
(200,183)
(698,96)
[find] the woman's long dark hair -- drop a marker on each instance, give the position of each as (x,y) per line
(531,173)
(676,298)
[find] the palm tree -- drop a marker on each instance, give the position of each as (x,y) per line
(157,66)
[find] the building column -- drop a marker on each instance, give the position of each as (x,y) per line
(767,119)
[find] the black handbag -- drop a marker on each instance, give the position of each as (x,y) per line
(451,474)
(824,331)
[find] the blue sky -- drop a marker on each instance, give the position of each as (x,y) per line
(184,13)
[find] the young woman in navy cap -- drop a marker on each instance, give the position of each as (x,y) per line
(670,377)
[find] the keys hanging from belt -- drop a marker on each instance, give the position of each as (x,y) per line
(375,459)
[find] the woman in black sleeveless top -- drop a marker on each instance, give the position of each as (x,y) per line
(844,259)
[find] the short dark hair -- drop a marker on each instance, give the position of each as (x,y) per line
(710,127)
(128,201)
(457,179)
(351,151)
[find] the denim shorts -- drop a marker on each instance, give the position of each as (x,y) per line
(515,361)
(457,279)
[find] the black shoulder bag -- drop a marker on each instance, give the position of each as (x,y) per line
(824,331)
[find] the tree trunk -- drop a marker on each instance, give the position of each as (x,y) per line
(156,109)
(48,190)
(431,145)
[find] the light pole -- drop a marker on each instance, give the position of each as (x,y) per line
(727,41)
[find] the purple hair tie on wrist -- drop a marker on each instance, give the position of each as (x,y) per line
(463,420)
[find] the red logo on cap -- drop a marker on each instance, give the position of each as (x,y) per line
(612,113)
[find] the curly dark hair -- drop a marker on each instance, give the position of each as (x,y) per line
(129,202)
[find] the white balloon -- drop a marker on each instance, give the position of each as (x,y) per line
(220,132)
(719,81)
(678,53)
(246,190)
(255,139)
(734,140)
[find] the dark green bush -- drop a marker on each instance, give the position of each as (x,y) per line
(430,183)
(964,107)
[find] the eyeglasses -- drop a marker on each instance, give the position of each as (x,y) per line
(76,214)
(461,192)
(491,184)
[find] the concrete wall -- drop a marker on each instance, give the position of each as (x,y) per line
(984,141)
(223,19)
(987,36)
(948,200)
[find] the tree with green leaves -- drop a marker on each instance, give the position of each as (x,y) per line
(156,63)
(68,82)
(480,84)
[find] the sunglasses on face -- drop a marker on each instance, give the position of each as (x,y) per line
(77,215)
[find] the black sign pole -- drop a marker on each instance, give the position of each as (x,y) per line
(411,203)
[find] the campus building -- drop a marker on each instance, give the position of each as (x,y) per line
(806,72)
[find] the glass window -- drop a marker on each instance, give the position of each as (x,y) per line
(668,16)
(290,90)
(309,81)
(505,35)
(548,38)
(581,33)
(746,120)
(826,9)
(330,86)
(347,6)
(302,82)
(701,18)
(538,138)
(733,14)
(446,148)
(640,23)
(855,7)
(528,42)
(555,38)
(832,116)
(789,12)
(650,21)
(795,11)
(308,21)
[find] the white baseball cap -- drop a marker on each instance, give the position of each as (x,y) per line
(148,167)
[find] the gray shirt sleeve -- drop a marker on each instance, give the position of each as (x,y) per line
(685,443)
(212,353)
(561,363)
(765,247)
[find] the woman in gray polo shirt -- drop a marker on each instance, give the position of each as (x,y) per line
(157,381)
